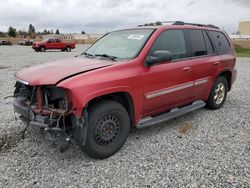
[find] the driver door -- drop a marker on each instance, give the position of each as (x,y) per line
(168,84)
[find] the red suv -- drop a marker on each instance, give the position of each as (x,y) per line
(129,78)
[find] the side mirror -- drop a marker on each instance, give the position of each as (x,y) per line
(158,56)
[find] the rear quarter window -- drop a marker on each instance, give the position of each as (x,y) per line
(220,41)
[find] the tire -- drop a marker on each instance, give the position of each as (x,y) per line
(68,48)
(42,49)
(218,94)
(37,50)
(108,129)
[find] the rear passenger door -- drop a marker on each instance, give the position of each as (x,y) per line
(168,84)
(204,60)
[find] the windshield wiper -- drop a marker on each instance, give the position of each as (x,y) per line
(107,56)
(87,54)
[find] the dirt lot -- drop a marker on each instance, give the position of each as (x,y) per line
(202,149)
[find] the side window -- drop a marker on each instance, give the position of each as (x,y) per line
(197,43)
(57,40)
(51,41)
(172,41)
(220,40)
(210,48)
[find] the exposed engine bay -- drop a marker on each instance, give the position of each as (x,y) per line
(47,110)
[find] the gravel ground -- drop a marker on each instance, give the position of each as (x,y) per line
(202,149)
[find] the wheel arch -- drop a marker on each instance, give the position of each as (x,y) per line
(227,74)
(122,97)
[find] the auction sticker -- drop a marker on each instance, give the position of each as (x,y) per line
(136,37)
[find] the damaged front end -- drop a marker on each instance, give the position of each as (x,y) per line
(48,110)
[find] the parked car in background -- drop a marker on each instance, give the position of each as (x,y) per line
(130,78)
(26,42)
(4,42)
(52,44)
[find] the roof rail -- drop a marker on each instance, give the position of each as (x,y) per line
(179,23)
(195,24)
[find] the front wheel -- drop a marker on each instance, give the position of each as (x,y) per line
(68,48)
(42,49)
(108,129)
(218,94)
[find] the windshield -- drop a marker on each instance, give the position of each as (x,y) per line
(124,44)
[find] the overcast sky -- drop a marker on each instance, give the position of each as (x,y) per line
(99,16)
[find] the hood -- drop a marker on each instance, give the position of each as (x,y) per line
(53,72)
(34,43)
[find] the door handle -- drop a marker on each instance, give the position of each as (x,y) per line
(186,69)
(216,63)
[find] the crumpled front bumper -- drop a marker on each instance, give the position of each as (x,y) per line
(38,123)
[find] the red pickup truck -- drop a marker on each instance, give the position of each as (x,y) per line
(136,77)
(51,44)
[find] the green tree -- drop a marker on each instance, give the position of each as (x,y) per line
(83,32)
(32,31)
(12,32)
(57,32)
(158,23)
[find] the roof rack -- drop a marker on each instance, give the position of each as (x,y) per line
(195,24)
(179,23)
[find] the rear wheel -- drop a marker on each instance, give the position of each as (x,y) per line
(108,129)
(68,48)
(218,93)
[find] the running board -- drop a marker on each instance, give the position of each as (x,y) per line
(173,113)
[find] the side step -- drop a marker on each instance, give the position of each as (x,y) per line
(149,121)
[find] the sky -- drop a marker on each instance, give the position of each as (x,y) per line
(100,16)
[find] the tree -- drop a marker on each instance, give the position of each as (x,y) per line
(83,32)
(32,31)
(22,33)
(158,23)
(12,32)
(57,32)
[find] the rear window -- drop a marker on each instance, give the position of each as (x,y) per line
(220,41)
(197,43)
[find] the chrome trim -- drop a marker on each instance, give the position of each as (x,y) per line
(177,88)
(21,81)
(167,91)
(201,81)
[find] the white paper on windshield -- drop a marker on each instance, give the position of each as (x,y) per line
(136,37)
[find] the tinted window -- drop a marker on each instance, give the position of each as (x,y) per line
(208,42)
(220,41)
(197,43)
(172,41)
(50,40)
(57,40)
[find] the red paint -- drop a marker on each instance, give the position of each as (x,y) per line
(57,44)
(39,98)
(134,78)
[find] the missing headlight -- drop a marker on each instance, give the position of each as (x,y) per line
(55,98)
